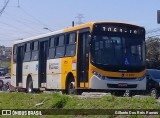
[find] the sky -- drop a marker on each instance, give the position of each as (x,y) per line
(32,17)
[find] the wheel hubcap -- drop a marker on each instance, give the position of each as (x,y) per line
(29,90)
(71,88)
(30,87)
(153,93)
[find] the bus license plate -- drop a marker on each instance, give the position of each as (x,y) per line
(122,84)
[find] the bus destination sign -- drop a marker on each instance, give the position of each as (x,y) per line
(120,29)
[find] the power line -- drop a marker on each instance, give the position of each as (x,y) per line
(25,24)
(13,27)
(18,4)
(4,7)
(23,19)
(36,19)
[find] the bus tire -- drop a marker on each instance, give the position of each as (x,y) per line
(1,84)
(127,93)
(29,85)
(154,93)
(71,88)
(71,85)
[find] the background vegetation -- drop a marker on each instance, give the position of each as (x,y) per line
(5,64)
(153,53)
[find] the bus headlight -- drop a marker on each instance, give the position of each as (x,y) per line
(140,78)
(103,77)
(95,73)
(99,75)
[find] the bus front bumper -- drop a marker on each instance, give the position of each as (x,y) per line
(117,84)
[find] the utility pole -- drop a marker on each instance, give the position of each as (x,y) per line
(79,17)
(158,16)
(18,4)
(46,28)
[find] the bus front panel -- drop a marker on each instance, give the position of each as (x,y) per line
(117,57)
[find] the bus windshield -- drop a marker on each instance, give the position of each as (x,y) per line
(114,50)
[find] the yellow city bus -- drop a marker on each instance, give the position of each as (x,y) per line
(92,56)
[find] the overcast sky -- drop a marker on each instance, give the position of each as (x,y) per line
(32,16)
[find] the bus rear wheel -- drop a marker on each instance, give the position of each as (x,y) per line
(29,86)
(71,88)
(70,85)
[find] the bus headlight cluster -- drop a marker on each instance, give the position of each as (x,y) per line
(140,78)
(99,75)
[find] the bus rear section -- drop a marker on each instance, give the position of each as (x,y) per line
(117,57)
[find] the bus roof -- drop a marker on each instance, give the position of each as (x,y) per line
(39,36)
(90,24)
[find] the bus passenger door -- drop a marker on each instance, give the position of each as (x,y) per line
(42,63)
(83,59)
(19,66)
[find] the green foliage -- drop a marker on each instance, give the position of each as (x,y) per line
(57,101)
(5,63)
(153,53)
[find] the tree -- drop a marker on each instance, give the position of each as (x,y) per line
(153,52)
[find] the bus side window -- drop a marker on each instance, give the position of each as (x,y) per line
(60,48)
(71,44)
(27,55)
(52,48)
(34,51)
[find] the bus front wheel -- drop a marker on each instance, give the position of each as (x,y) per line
(154,92)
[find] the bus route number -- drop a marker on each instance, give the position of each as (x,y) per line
(129,75)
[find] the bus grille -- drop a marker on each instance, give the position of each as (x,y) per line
(117,86)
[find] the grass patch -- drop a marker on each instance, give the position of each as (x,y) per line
(60,101)
(57,101)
